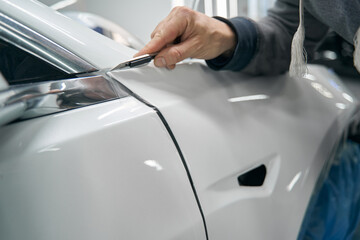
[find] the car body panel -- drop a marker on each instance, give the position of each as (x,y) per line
(69,34)
(228,123)
(115,170)
(106,27)
(107,171)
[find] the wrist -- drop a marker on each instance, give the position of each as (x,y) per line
(246,45)
(228,40)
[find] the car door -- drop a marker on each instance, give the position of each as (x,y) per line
(79,157)
(255,146)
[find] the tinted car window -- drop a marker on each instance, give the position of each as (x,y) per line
(18,66)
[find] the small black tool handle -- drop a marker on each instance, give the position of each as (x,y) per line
(141,61)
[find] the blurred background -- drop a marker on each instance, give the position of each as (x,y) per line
(136,19)
(140,17)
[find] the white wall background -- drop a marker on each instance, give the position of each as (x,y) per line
(140,17)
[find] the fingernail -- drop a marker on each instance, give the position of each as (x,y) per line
(160,62)
(171,67)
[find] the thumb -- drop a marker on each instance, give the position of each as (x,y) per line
(157,43)
(176,53)
(165,33)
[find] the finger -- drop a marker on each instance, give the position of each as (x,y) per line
(176,53)
(176,14)
(165,33)
(171,67)
(162,38)
(158,42)
(159,26)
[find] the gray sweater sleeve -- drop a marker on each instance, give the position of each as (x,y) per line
(274,36)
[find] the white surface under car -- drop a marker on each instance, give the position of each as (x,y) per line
(159,154)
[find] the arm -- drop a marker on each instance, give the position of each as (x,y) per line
(272,51)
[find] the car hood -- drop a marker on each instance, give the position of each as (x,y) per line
(98,50)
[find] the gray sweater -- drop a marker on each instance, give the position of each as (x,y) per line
(264,47)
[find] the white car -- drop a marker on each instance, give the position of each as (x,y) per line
(148,153)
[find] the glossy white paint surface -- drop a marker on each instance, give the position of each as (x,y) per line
(227,123)
(87,44)
(113,30)
(108,171)
(58,173)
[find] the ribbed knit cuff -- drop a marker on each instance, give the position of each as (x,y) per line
(246,33)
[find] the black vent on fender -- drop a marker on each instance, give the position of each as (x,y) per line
(254,177)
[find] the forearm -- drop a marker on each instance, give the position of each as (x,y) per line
(246,46)
(262,48)
(271,46)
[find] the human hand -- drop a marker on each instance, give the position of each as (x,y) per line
(186,33)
